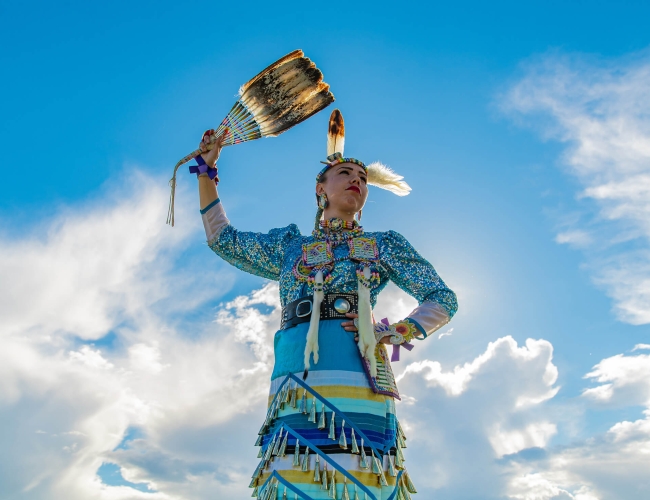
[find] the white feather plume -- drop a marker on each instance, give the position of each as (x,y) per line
(383,177)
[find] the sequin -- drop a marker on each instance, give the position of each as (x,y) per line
(273,255)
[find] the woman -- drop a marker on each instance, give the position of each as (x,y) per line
(330,429)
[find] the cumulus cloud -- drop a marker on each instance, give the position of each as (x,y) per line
(468,417)
(609,465)
(601,110)
(112,273)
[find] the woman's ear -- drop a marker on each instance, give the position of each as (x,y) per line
(319,189)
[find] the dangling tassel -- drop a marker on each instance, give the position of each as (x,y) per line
(292,400)
(399,463)
(355,446)
(367,342)
(346,495)
(332,433)
(277,445)
(363,461)
(312,334)
(287,393)
(343,442)
(303,402)
(332,492)
(401,434)
(312,412)
(305,461)
(296,454)
(325,483)
(317,469)
(356,493)
(284,495)
(283,448)
(376,468)
(391,465)
(321,421)
(399,453)
(269,450)
(409,483)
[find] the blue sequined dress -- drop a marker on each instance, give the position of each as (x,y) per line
(333,435)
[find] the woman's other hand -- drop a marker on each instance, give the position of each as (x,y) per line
(349,326)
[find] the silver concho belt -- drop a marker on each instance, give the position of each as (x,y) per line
(334,306)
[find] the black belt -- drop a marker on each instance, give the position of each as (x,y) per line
(334,306)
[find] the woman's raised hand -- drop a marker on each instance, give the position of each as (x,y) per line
(212,156)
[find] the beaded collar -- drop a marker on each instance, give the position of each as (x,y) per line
(339,231)
(337,225)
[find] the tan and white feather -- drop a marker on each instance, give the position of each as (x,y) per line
(336,133)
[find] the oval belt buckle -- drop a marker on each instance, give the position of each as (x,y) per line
(341,305)
(302,314)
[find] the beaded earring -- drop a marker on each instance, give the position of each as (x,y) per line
(358,215)
(322,201)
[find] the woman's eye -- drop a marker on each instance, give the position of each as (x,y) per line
(365,181)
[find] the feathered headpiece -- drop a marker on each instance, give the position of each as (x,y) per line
(378,174)
(286,93)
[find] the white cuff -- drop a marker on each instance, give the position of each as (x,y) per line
(430,316)
(214,219)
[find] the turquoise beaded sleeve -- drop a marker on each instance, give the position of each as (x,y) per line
(261,254)
(413,273)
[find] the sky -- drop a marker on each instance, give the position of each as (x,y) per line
(134,363)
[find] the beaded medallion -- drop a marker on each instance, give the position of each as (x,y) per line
(363,248)
(317,253)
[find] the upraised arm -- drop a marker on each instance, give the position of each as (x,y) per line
(256,253)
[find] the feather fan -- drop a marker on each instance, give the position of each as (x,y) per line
(383,177)
(284,94)
(335,133)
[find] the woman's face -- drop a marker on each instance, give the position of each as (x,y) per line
(346,188)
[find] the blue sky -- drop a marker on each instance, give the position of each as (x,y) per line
(524,131)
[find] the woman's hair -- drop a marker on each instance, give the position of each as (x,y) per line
(319,211)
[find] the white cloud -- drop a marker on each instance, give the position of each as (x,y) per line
(113,268)
(601,110)
(611,465)
(175,402)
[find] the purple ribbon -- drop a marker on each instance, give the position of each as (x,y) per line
(202,168)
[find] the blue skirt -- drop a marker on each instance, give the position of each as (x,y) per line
(331,435)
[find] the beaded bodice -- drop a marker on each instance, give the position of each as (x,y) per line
(278,254)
